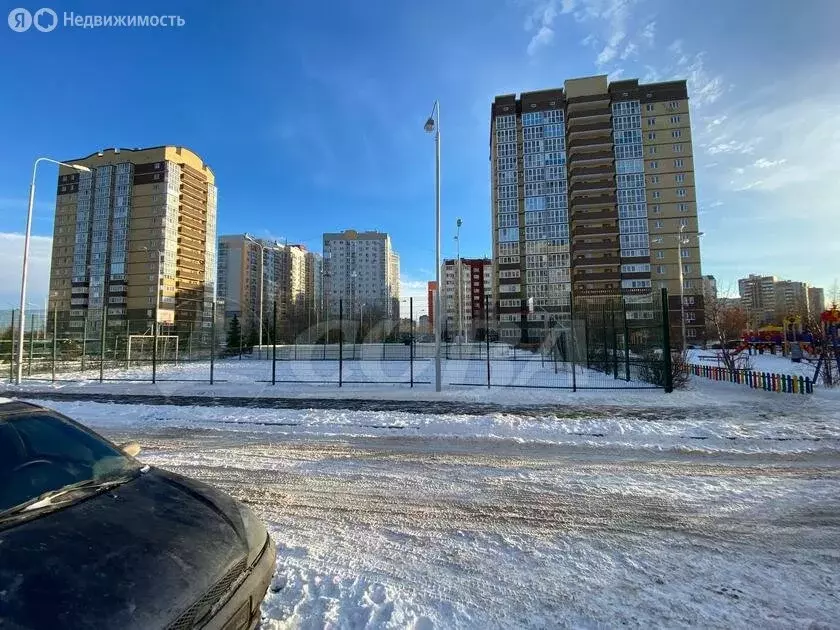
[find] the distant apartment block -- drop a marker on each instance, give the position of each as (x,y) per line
(431,290)
(362,273)
(791,298)
(314,291)
(710,292)
(758,298)
(135,238)
(249,267)
(593,193)
(474,300)
(816,300)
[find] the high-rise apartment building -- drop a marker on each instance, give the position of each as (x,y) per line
(475,295)
(816,301)
(253,270)
(362,271)
(136,236)
(758,298)
(709,284)
(315,282)
(593,193)
(791,298)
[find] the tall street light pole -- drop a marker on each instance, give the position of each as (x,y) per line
(433,126)
(680,240)
(460,283)
(25,271)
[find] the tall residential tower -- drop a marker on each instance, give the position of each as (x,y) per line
(136,236)
(593,193)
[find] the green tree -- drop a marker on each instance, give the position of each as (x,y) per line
(234,335)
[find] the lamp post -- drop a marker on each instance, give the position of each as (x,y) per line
(460,297)
(25,270)
(250,238)
(433,126)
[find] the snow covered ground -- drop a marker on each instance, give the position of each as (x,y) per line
(773,363)
(717,509)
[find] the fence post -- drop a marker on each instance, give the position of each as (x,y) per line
(614,342)
(274,345)
(213,342)
(340,340)
(573,340)
(626,342)
(666,344)
(55,341)
(155,328)
(487,334)
(411,339)
(12,351)
(31,343)
(102,345)
(809,386)
(586,332)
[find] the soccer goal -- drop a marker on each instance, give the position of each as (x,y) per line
(140,349)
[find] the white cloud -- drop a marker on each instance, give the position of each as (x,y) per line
(630,50)
(765,163)
(11,255)
(543,38)
(648,34)
(416,289)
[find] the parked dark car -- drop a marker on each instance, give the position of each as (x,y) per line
(92,538)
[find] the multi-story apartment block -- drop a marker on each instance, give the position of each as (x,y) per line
(791,298)
(758,298)
(135,237)
(314,282)
(816,301)
(473,298)
(253,270)
(593,193)
(361,271)
(709,284)
(431,291)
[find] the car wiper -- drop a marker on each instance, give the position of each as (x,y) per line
(49,498)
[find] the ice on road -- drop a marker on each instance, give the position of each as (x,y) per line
(521,522)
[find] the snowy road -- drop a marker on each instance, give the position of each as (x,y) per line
(503,522)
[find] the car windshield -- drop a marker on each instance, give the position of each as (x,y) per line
(42,453)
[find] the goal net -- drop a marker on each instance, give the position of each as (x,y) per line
(141,349)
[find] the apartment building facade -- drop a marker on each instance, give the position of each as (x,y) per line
(474,299)
(257,271)
(758,298)
(593,194)
(362,274)
(314,292)
(431,291)
(816,301)
(135,239)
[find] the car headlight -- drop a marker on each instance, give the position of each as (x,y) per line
(256,536)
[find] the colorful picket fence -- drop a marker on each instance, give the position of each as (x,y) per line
(783,383)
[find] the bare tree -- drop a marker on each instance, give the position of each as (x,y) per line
(726,323)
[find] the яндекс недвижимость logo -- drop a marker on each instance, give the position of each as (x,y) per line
(20,20)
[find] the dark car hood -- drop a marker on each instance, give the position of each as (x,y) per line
(132,557)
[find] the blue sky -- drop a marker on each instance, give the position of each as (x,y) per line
(311,115)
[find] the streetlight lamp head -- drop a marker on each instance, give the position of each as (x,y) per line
(430,125)
(79,167)
(458,223)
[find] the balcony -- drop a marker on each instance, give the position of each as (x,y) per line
(189,274)
(595,261)
(588,143)
(578,172)
(185,219)
(579,246)
(604,276)
(595,200)
(579,187)
(605,230)
(590,128)
(192,205)
(590,158)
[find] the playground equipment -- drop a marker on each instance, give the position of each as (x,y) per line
(828,364)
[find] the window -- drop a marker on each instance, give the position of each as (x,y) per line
(507,192)
(534,174)
(637,268)
(506,163)
(652,150)
(680,192)
(505,135)
(649,107)
(656,208)
(679,178)
(656,194)
(624,108)
(683,222)
(654,164)
(532,146)
(507,205)
(682,207)
(651,135)
(508,220)
(678,163)
(676,133)
(685,253)
(677,148)
(627,122)
(506,150)
(628,151)
(651,122)
(654,179)
(533,160)
(531,118)
(675,120)
(658,225)
(660,269)
(660,255)
(673,105)
(532,133)
(629,226)
(635,284)
(687,268)
(505,177)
